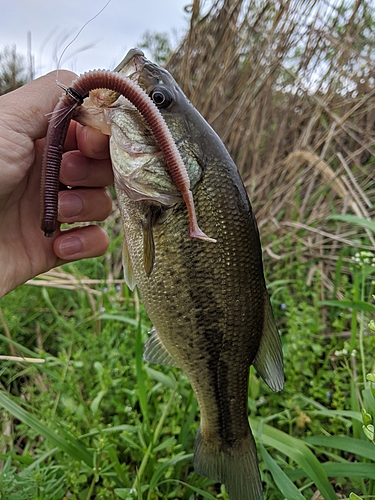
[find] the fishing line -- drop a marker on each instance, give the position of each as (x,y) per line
(61,85)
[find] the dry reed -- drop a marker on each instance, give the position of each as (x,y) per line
(289,87)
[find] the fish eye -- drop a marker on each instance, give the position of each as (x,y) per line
(161,97)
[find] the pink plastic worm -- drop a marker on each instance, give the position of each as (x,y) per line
(58,128)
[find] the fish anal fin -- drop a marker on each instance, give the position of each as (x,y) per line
(155,351)
(269,359)
(128,266)
(236,467)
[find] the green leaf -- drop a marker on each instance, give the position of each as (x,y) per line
(354,415)
(74,448)
(42,458)
(366,417)
(201,492)
(369,400)
(344,443)
(352,219)
(160,471)
(94,406)
(116,428)
(19,347)
(298,451)
(358,305)
(348,469)
(141,379)
(119,317)
(168,442)
(167,380)
(125,493)
(116,464)
(285,485)
(369,432)
(353,496)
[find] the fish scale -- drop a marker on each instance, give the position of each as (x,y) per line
(208,301)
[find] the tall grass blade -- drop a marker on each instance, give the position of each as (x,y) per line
(42,458)
(297,451)
(285,485)
(352,219)
(160,471)
(369,400)
(73,447)
(350,445)
(119,317)
(358,305)
(110,430)
(348,469)
(200,492)
(19,347)
(141,380)
(117,466)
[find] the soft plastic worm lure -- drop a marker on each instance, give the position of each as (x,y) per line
(58,127)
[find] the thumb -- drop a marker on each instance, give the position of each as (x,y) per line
(31,104)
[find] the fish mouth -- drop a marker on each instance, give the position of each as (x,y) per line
(130,67)
(128,59)
(132,64)
(138,68)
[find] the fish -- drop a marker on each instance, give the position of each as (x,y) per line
(207,300)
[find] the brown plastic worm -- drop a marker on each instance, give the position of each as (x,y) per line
(58,128)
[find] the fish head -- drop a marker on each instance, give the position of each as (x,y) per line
(134,150)
(139,166)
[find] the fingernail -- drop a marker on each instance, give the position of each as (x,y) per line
(70,246)
(70,205)
(74,167)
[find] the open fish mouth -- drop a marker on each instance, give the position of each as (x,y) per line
(132,64)
(139,69)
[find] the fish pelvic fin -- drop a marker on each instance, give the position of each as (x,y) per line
(155,351)
(269,359)
(236,467)
(128,266)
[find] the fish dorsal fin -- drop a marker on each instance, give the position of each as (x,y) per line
(269,359)
(148,242)
(155,351)
(128,266)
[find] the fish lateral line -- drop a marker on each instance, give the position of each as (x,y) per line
(58,128)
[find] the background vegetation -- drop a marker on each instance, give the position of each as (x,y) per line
(289,86)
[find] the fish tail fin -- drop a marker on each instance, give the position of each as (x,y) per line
(236,467)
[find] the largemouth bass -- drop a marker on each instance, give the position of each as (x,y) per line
(208,301)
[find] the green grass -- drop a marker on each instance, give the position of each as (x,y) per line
(93,421)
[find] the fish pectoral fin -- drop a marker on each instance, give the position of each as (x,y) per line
(128,266)
(236,467)
(155,351)
(148,242)
(269,359)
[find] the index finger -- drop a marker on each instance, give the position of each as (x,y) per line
(90,141)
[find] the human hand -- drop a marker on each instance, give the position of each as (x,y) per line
(24,250)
